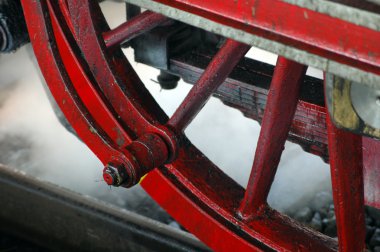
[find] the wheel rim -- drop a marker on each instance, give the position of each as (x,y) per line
(192,189)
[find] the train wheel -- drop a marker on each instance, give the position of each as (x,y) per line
(112,112)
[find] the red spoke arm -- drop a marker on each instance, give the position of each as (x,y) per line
(280,108)
(133,28)
(215,74)
(346,164)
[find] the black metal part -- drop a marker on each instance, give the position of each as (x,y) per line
(65,221)
(167,81)
(155,48)
(13,31)
(132,10)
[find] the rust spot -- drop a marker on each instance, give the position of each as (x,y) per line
(343,112)
(120,141)
(372,55)
(254,8)
(92,130)
(306,16)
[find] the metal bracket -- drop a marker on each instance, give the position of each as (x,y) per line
(154,48)
(353,106)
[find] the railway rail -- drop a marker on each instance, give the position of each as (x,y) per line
(61,220)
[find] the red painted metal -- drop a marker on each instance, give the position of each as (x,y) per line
(133,28)
(183,208)
(205,202)
(371,160)
(215,74)
(113,113)
(346,162)
(129,163)
(63,91)
(278,116)
(298,27)
(127,97)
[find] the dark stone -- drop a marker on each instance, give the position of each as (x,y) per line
(330,212)
(330,226)
(332,208)
(376,249)
(316,222)
(369,221)
(304,215)
(374,213)
(321,203)
(322,200)
(323,213)
(369,232)
(375,239)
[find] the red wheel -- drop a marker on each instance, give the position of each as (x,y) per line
(113,113)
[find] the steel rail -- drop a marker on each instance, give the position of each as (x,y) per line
(62,220)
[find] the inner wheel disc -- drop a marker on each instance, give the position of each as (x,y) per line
(113,113)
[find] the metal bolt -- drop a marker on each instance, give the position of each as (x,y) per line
(139,157)
(111,176)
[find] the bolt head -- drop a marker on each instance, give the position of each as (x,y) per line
(112,176)
(108,178)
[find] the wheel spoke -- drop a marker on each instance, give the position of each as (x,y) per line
(215,74)
(346,164)
(133,28)
(280,108)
